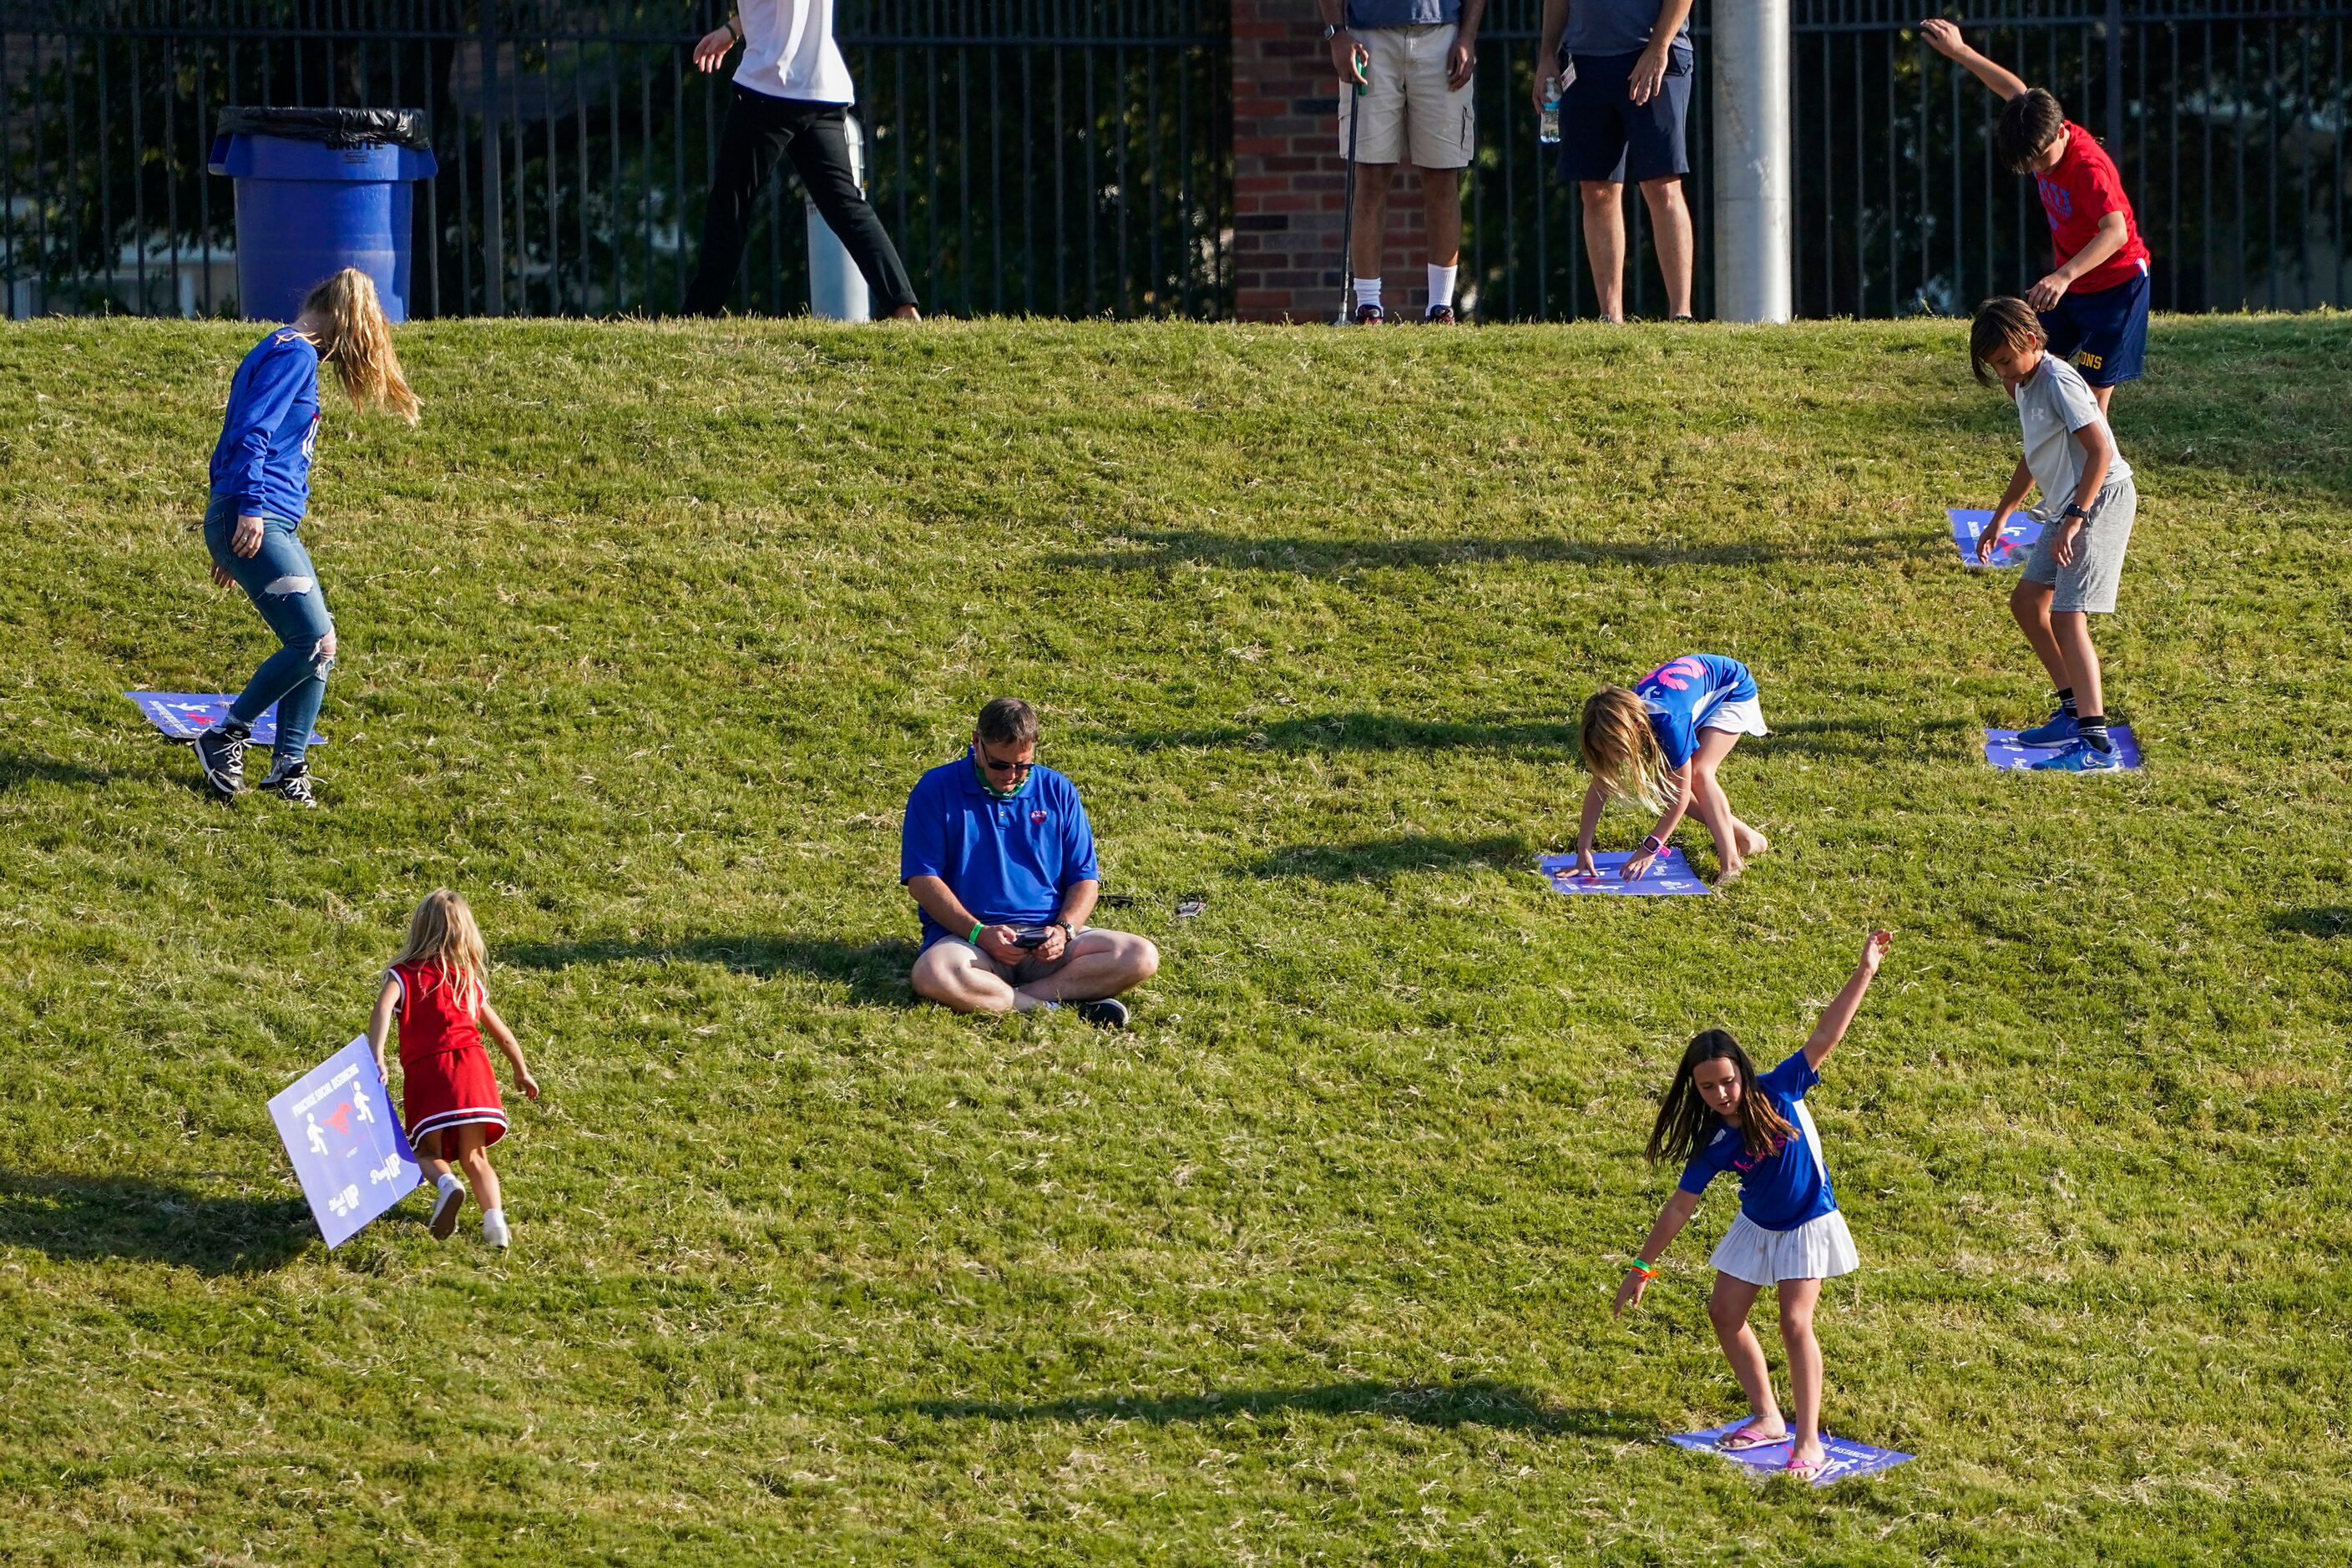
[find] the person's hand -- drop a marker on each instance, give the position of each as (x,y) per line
(1990,540)
(1943,36)
(382,1072)
(221,579)
(528,1084)
(1584,865)
(998,943)
(1648,72)
(2045,294)
(1536,86)
(1634,869)
(1874,950)
(1461,59)
(711,50)
(1629,1294)
(1056,942)
(245,540)
(2062,552)
(1350,61)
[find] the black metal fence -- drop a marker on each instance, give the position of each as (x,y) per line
(2227,118)
(1061,157)
(1072,157)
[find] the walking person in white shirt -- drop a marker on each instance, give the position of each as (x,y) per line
(793,95)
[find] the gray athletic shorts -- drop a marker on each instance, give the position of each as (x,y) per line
(2089,584)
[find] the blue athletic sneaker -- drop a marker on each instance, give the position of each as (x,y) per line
(2060,730)
(2082,757)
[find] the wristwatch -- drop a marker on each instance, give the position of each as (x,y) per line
(1330,31)
(2074,509)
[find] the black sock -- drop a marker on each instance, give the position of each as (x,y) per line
(2066,701)
(2094,731)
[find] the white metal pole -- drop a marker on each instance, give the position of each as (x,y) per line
(1753,217)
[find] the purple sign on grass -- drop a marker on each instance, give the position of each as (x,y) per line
(1671,874)
(184,715)
(347,1146)
(2017,536)
(1846,1460)
(2001,750)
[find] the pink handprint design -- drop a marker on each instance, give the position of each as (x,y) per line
(1676,675)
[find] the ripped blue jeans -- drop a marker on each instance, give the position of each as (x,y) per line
(282,585)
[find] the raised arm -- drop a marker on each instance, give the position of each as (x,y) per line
(1944,37)
(1848,1001)
(1671,1220)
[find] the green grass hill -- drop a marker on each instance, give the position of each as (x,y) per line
(648,629)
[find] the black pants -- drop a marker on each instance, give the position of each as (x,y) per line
(816,135)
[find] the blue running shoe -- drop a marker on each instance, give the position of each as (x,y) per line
(2060,730)
(2082,757)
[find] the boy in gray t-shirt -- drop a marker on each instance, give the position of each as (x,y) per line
(2087,506)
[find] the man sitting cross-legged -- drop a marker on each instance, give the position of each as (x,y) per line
(998,853)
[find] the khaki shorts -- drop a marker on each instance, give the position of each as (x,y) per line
(1410,114)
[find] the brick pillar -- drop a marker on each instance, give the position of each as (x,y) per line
(1290,175)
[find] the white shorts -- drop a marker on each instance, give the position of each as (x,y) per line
(1818,1249)
(1745,717)
(1410,114)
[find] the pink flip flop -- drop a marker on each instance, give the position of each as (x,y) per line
(1804,1470)
(1749,1436)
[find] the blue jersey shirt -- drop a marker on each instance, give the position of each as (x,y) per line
(1009,860)
(271,428)
(1680,695)
(1370,16)
(1788,1187)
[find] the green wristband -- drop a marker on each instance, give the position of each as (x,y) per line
(977,927)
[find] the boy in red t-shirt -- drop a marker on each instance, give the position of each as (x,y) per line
(2094,304)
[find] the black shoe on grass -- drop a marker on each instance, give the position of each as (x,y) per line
(221,754)
(1106,1014)
(290,782)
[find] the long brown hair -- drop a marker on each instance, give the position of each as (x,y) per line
(442,935)
(1687,1124)
(1621,749)
(354,337)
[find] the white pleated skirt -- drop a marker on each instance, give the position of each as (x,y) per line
(1818,1249)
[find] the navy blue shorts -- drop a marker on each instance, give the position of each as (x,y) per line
(1605,135)
(2104,334)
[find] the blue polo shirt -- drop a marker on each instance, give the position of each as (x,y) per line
(1009,860)
(1787,1187)
(1370,16)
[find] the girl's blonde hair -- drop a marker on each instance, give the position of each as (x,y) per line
(356,340)
(443,936)
(1621,749)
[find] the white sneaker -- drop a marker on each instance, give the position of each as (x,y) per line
(495,1231)
(445,1205)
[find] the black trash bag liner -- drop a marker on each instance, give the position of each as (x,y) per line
(335,127)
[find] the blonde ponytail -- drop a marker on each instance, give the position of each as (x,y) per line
(1621,749)
(353,337)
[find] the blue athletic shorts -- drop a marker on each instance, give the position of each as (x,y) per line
(2104,334)
(1605,135)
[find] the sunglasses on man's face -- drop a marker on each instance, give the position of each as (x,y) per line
(996,767)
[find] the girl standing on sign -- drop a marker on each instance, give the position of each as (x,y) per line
(1661,744)
(260,489)
(1720,1115)
(448,1095)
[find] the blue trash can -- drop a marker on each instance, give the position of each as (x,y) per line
(318,190)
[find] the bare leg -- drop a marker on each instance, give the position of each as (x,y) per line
(958,975)
(2102,394)
(1713,807)
(2030,603)
(1670,230)
(474,1157)
(428,1155)
(1605,243)
(1441,206)
(1797,1299)
(2071,630)
(1366,247)
(1100,963)
(1728,1309)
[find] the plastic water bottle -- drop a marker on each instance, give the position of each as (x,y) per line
(1547,129)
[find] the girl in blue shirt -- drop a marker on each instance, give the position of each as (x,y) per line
(1661,744)
(260,489)
(1721,1115)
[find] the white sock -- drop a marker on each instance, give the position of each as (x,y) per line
(1441,285)
(1368,291)
(448,1182)
(494,1217)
